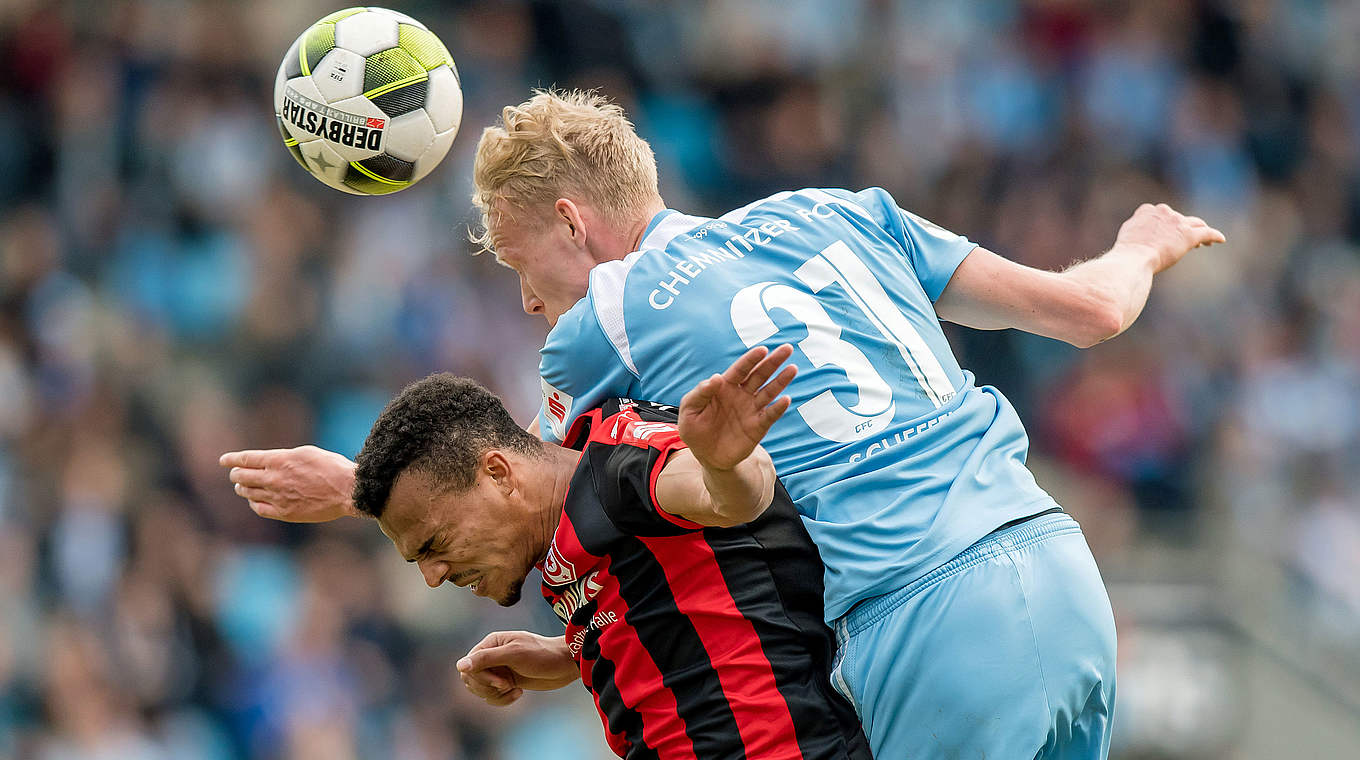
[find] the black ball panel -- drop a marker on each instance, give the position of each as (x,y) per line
(389,167)
(403,99)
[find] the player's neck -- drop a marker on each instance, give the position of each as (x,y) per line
(639,228)
(560,464)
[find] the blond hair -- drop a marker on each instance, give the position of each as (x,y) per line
(558,144)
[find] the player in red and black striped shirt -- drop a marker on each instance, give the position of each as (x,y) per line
(691,594)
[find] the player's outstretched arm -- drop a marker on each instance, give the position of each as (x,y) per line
(1086,304)
(505,663)
(724,477)
(302,485)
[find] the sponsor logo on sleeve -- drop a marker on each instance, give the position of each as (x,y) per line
(557,570)
(556,407)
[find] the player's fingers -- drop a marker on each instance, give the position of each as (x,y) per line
(702,394)
(486,684)
(254,494)
(766,367)
(505,699)
(478,689)
(777,385)
(265,509)
(771,414)
(1207,236)
(481,688)
(256,458)
(743,366)
(1195,221)
(481,660)
(251,477)
(493,639)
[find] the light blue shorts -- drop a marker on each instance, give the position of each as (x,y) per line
(1007,651)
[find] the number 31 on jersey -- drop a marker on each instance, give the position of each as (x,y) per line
(824,344)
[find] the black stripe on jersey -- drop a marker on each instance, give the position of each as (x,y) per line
(700,701)
(781,595)
(622,718)
(699,696)
(669,636)
(625,489)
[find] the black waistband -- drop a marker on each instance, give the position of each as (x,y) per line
(1020,520)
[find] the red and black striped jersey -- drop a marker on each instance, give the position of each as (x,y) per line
(699,643)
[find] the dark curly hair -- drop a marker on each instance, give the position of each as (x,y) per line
(440,425)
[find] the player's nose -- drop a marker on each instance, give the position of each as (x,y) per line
(434,572)
(532,303)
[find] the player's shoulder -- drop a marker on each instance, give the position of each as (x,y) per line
(809,203)
(576,324)
(629,422)
(646,411)
(583,342)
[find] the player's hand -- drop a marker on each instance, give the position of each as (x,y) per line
(301,485)
(725,417)
(1168,233)
(505,663)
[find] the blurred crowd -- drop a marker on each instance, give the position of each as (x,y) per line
(173,286)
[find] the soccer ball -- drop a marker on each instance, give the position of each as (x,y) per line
(368,100)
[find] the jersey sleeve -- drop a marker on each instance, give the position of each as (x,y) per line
(933,251)
(638,443)
(578,369)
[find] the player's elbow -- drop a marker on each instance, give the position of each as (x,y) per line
(741,512)
(1098,318)
(732,514)
(759,474)
(727,518)
(1099,329)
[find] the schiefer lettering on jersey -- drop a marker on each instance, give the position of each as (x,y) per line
(731,248)
(898,438)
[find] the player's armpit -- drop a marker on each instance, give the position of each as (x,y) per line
(990,292)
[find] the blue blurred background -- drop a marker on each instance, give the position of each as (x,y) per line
(173,286)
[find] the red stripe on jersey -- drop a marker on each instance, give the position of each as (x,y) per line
(640,686)
(566,544)
(616,741)
(745,673)
(584,421)
(664,438)
(626,428)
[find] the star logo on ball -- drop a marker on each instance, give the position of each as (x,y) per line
(319,160)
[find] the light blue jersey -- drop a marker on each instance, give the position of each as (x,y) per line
(896,460)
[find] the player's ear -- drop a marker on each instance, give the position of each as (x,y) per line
(569,213)
(496,467)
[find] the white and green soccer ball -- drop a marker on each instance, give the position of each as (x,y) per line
(368,100)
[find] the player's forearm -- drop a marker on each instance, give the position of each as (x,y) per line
(565,672)
(741,494)
(1114,288)
(1090,302)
